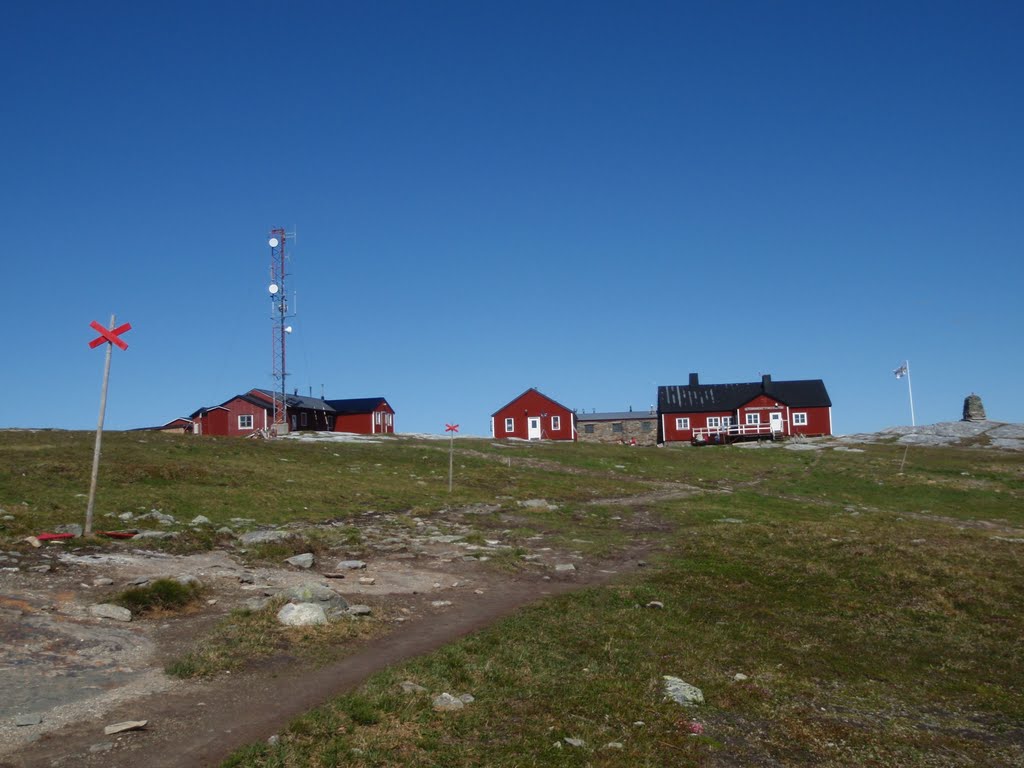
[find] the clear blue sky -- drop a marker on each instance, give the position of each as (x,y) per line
(590,198)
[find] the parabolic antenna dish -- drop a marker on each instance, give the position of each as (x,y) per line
(287,329)
(274,242)
(273,289)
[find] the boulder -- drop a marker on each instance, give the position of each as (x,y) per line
(304,560)
(302,614)
(350,565)
(262,537)
(111,611)
(448,703)
(682,693)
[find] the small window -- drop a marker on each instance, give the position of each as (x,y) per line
(753,418)
(245,422)
(683,423)
(556,423)
(646,426)
(714,422)
(727,421)
(799,419)
(617,426)
(304,419)
(510,425)
(588,429)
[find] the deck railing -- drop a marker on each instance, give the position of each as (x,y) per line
(707,434)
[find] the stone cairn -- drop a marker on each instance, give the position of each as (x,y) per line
(973,409)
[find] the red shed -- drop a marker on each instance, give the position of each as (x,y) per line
(710,413)
(241,416)
(363,415)
(534,416)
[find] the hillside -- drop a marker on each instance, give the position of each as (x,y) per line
(849,601)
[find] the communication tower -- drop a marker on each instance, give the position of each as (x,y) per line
(279,328)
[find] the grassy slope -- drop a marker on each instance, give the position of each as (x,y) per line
(877,615)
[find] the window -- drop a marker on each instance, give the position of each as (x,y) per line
(714,422)
(588,428)
(726,421)
(376,417)
(799,419)
(617,426)
(683,423)
(646,426)
(753,418)
(510,425)
(245,422)
(556,423)
(304,419)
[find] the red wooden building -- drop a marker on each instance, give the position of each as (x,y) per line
(363,415)
(534,416)
(719,413)
(247,414)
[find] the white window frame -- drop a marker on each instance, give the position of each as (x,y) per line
(800,419)
(726,421)
(753,418)
(510,424)
(242,417)
(556,423)
(683,422)
(714,422)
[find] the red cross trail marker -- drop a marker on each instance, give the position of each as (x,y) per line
(111,337)
(451,427)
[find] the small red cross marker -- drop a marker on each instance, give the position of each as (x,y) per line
(451,427)
(109,335)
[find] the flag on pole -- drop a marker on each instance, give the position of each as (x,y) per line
(900,372)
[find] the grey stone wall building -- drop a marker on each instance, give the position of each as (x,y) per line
(623,427)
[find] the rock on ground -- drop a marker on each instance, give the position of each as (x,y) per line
(111,611)
(682,693)
(301,614)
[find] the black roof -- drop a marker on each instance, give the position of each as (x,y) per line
(291,401)
(699,398)
(617,416)
(357,405)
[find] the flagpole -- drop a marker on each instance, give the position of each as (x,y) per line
(910,391)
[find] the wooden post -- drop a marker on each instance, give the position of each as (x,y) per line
(451,460)
(99,437)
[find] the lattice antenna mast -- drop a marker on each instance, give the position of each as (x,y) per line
(279,329)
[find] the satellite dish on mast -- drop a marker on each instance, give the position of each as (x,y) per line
(287,329)
(273,289)
(274,242)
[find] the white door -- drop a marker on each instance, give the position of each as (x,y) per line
(533,428)
(775,419)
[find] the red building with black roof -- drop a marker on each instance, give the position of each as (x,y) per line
(709,413)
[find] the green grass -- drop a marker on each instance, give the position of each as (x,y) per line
(164,595)
(248,637)
(874,601)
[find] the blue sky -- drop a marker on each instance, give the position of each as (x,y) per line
(590,198)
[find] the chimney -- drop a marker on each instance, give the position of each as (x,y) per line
(693,380)
(766,380)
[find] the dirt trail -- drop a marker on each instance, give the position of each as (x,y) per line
(200,724)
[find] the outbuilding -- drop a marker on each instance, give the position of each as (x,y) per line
(624,427)
(363,415)
(534,416)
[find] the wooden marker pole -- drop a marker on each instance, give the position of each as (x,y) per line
(452,428)
(110,338)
